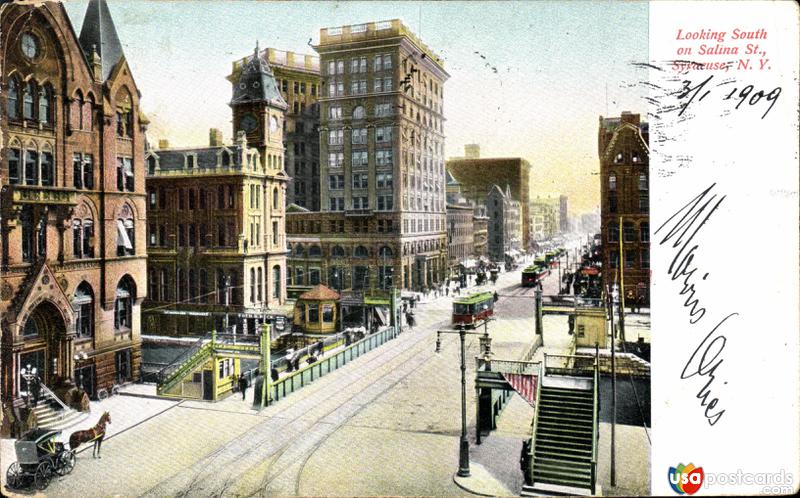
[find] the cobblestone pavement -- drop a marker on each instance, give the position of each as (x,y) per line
(387,423)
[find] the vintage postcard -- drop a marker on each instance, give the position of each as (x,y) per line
(451,248)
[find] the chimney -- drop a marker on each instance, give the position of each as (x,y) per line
(163,143)
(214,137)
(628,117)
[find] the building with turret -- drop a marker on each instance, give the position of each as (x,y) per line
(72,186)
(216,231)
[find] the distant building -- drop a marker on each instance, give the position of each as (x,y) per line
(72,251)
(625,201)
(472,151)
(480,232)
(563,214)
(216,239)
(460,241)
(546,218)
(299,80)
(504,224)
(477,176)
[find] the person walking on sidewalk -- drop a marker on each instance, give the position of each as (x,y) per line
(242,385)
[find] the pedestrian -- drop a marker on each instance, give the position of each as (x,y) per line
(447,291)
(496,296)
(410,319)
(36,389)
(631,299)
(640,303)
(242,385)
(273,374)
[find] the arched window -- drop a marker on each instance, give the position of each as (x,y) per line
(123,304)
(628,234)
(226,158)
(337,252)
(252,285)
(83,306)
(276,282)
(260,285)
(192,285)
(125,233)
(180,283)
(644,231)
(299,250)
(151,165)
(203,286)
(613,232)
(288,249)
(124,114)
(27,100)
(314,251)
(361,252)
(47,166)
(642,181)
(45,98)
(275,198)
(386,252)
(358,112)
(612,182)
(82,233)
(87,109)
(12,99)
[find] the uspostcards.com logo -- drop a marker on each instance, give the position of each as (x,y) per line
(685,479)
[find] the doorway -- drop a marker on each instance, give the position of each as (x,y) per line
(85,379)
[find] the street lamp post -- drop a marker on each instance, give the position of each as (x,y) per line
(463,453)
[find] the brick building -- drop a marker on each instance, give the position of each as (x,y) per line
(216,231)
(477,176)
(298,79)
(382,168)
(460,239)
(73,206)
(504,228)
(480,232)
(624,193)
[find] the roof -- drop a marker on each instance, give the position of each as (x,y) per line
(450,179)
(475,298)
(320,293)
(205,157)
(98,33)
(257,83)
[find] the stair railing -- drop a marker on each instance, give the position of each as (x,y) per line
(539,382)
(175,364)
(595,434)
(50,394)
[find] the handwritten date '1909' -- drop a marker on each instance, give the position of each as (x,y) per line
(700,92)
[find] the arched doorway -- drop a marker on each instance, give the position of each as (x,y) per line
(46,347)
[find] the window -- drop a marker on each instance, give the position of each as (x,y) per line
(360,202)
(628,234)
(231,196)
(630,258)
(387,84)
(125,237)
(331,67)
(359,158)
(359,136)
(642,181)
(385,202)
(383,134)
(13,166)
(191,198)
(83,306)
(385,277)
(260,285)
(354,65)
(220,197)
(45,97)
(360,277)
(12,99)
(383,110)
(276,282)
(384,157)
(27,101)
(360,180)
(124,174)
(335,112)
(613,232)
(613,259)
(360,252)
(619,158)
(337,252)
(644,231)
(612,201)
(336,137)
(377,64)
(612,182)
(47,169)
(358,113)
(384,180)
(340,67)
(387,61)
(313,276)
(336,182)
(336,203)
(644,202)
(31,167)
(275,233)
(123,304)
(645,261)
(252,285)
(181,200)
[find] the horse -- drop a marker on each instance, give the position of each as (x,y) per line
(95,434)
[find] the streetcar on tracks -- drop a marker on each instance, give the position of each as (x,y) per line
(473,309)
(532,275)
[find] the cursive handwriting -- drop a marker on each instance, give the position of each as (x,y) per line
(688,220)
(680,230)
(705,365)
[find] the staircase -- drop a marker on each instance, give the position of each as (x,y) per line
(171,375)
(565,429)
(51,418)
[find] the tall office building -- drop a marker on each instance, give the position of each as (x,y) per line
(383,215)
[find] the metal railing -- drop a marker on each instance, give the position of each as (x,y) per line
(565,364)
(50,394)
(306,375)
(536,404)
(165,372)
(595,432)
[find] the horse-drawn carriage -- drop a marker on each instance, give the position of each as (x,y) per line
(39,456)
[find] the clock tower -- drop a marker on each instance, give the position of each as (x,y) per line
(259,110)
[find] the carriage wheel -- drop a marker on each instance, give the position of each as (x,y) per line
(65,463)
(14,476)
(44,472)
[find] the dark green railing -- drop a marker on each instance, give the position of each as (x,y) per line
(306,375)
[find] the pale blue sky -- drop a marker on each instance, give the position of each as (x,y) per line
(554,61)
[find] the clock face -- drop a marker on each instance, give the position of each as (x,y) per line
(273,124)
(30,47)
(248,123)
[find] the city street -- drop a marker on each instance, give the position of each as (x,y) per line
(386,424)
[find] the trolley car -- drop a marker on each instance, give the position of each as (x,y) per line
(473,308)
(532,275)
(39,456)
